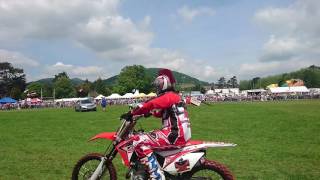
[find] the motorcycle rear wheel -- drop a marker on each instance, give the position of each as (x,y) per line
(87,165)
(210,170)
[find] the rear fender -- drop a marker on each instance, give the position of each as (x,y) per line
(104,135)
(182,163)
(195,144)
(209,144)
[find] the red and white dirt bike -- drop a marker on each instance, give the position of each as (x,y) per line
(181,163)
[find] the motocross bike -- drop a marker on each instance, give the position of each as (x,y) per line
(180,163)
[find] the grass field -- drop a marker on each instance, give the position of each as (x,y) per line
(276,140)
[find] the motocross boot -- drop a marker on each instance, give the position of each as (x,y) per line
(154,168)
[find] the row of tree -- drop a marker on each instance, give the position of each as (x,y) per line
(62,87)
(13,83)
(131,77)
(310,76)
(223,83)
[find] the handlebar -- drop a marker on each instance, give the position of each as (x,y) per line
(125,127)
(135,117)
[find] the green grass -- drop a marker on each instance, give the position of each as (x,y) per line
(276,140)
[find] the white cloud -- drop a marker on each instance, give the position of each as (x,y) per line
(295,31)
(189,14)
(294,41)
(279,49)
(48,19)
(114,38)
(17,59)
(85,72)
(97,26)
(262,69)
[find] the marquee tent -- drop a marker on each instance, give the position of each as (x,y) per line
(140,95)
(128,95)
(70,99)
(114,96)
(99,97)
(152,94)
(6,100)
(35,100)
(136,93)
(210,92)
(294,89)
(253,92)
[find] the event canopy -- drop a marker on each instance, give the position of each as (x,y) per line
(294,89)
(35,100)
(70,99)
(140,95)
(99,97)
(152,94)
(136,93)
(210,91)
(128,95)
(114,96)
(6,100)
(256,90)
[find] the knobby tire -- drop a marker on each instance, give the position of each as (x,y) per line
(94,156)
(217,167)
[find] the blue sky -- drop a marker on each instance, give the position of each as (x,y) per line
(205,39)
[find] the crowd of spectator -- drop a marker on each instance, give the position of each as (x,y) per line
(212,98)
(257,97)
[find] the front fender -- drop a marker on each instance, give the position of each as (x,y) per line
(104,135)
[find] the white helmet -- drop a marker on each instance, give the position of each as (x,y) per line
(162,84)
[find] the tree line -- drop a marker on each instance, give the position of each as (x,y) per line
(310,76)
(13,83)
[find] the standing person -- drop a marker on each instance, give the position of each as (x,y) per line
(175,131)
(103,103)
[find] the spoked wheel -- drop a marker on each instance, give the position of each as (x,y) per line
(85,167)
(210,170)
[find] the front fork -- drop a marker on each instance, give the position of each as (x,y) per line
(99,170)
(111,151)
(109,155)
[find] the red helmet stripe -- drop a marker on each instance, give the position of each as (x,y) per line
(167,73)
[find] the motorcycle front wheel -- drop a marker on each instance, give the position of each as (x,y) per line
(209,170)
(85,167)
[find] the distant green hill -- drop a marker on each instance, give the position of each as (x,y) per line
(49,81)
(182,79)
(45,81)
(111,81)
(310,76)
(76,81)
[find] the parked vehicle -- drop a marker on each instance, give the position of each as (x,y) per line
(182,163)
(85,105)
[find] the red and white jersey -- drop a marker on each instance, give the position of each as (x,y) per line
(175,120)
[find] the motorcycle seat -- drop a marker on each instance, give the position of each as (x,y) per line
(174,147)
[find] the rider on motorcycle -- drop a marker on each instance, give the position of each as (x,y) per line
(175,131)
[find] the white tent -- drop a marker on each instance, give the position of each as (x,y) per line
(234,90)
(141,95)
(70,99)
(256,91)
(294,89)
(99,97)
(210,91)
(114,96)
(152,94)
(136,93)
(128,95)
